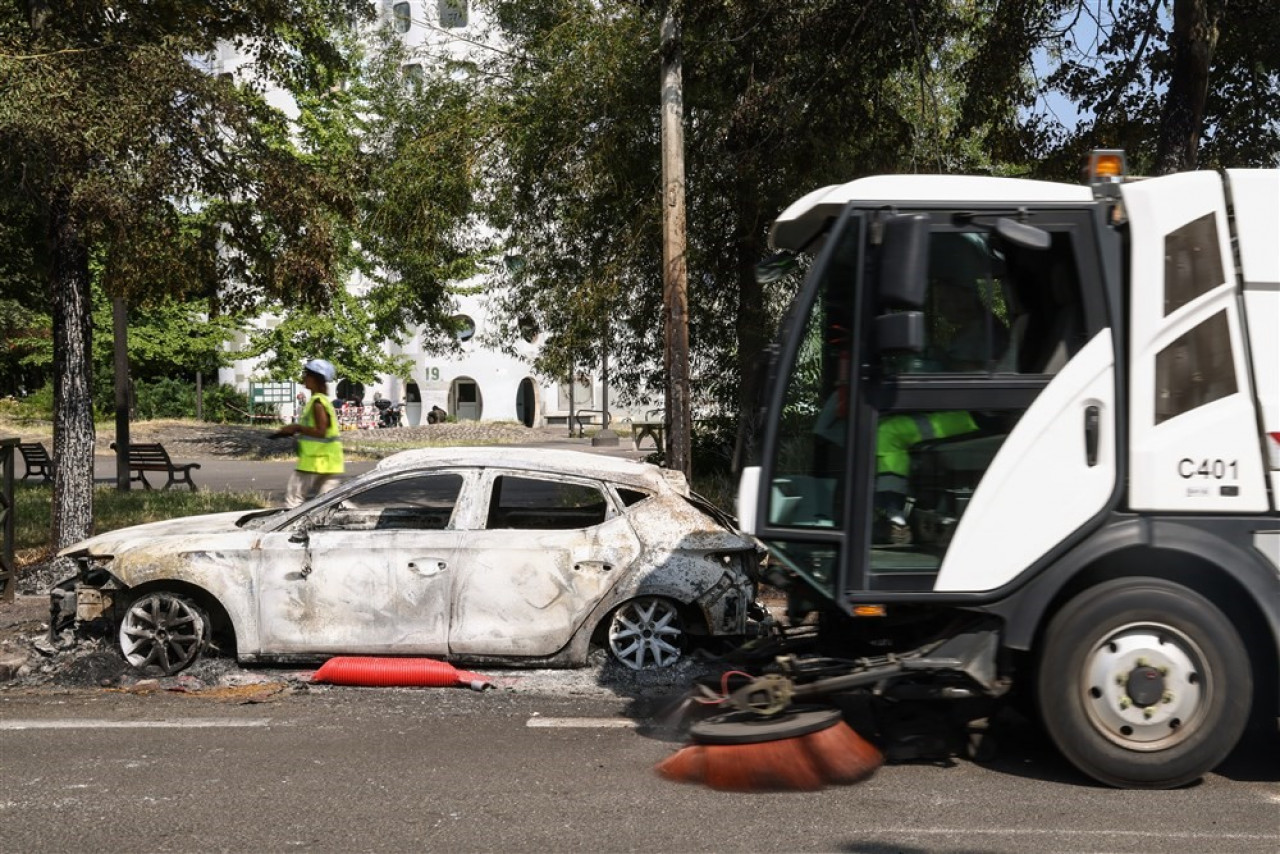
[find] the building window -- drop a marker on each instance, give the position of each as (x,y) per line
(528,329)
(453,13)
(414,75)
(464,327)
(400,17)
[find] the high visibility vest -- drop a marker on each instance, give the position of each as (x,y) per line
(896,435)
(321,456)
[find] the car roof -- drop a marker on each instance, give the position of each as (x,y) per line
(544,460)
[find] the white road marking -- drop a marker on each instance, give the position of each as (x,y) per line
(1065,831)
(581,723)
(83,723)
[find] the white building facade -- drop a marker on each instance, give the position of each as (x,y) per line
(479,383)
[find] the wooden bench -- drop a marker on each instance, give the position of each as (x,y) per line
(146,457)
(37,460)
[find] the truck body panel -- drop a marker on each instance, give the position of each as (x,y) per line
(1194,444)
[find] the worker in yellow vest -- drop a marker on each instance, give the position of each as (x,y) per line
(317,434)
(895,437)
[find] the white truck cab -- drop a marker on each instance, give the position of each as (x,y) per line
(1053,412)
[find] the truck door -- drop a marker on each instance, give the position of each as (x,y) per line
(997,443)
(1194,429)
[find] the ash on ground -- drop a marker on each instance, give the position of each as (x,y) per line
(30,659)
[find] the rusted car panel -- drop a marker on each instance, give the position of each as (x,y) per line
(473,554)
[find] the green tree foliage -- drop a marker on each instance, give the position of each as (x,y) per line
(423,144)
(401,131)
(779,99)
(1176,83)
(126,150)
(346,334)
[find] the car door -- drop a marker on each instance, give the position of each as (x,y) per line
(549,549)
(368,573)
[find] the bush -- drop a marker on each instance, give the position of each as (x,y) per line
(164,398)
(225,405)
(37,406)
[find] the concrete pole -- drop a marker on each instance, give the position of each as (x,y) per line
(606,436)
(675,286)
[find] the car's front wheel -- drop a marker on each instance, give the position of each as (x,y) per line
(646,633)
(164,630)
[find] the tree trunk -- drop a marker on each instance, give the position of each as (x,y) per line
(751,323)
(72,397)
(1195,37)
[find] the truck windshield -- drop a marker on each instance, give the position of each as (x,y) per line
(812,429)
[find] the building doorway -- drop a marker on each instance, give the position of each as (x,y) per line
(412,403)
(348,390)
(527,402)
(465,402)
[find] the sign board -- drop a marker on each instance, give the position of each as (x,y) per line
(272,395)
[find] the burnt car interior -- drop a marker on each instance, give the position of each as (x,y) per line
(423,503)
(544,505)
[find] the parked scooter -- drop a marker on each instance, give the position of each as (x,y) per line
(389,414)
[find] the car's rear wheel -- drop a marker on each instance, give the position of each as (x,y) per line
(646,633)
(163,630)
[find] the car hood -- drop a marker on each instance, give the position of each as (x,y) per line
(122,539)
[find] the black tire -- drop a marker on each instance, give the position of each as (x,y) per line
(163,630)
(1143,683)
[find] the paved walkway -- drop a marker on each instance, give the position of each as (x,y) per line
(270,476)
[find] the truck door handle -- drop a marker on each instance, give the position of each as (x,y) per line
(1092,424)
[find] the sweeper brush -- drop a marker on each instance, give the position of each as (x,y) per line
(803,748)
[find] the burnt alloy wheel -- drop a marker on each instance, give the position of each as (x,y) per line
(163,630)
(1143,683)
(646,633)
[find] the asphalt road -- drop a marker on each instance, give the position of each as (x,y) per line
(347,769)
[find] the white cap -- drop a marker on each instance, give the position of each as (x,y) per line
(321,368)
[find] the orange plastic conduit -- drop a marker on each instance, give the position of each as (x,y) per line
(397,673)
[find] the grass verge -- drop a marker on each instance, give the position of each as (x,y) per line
(112,509)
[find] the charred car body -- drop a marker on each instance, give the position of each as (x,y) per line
(524,556)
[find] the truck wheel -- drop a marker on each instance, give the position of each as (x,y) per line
(1143,683)
(163,630)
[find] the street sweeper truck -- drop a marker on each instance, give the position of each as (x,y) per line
(1021,439)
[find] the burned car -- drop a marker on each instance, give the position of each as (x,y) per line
(512,555)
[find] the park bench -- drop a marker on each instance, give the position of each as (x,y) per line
(652,427)
(145,457)
(37,460)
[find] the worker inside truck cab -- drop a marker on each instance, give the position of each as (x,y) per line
(895,437)
(966,333)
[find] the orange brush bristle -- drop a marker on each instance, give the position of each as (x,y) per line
(801,749)
(686,765)
(842,755)
(767,766)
